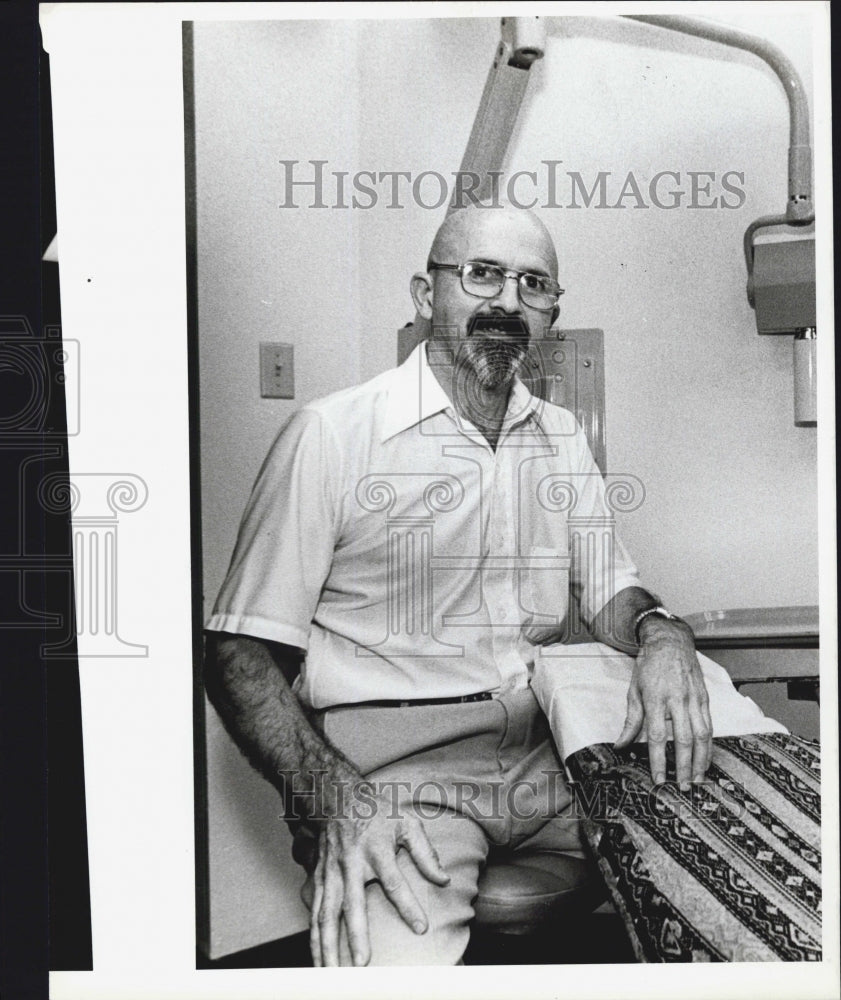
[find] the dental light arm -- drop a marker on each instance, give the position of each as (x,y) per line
(799,208)
(783,293)
(522,43)
(781,284)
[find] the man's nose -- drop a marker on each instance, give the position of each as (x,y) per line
(508,297)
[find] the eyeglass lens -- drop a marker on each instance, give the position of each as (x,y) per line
(487,281)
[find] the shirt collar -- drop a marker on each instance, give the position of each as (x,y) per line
(416,394)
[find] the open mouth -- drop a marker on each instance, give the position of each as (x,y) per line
(504,327)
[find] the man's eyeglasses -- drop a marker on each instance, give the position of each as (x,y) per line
(487,280)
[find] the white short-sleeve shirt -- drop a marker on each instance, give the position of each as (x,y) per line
(409,559)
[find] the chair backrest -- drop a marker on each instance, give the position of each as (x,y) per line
(566,367)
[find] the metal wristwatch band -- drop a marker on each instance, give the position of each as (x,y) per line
(661,612)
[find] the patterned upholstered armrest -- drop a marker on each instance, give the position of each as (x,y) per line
(728,871)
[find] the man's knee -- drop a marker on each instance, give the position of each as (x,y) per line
(462,848)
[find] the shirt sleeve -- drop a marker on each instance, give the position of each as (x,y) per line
(286,539)
(600,565)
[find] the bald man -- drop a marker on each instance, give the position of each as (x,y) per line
(396,568)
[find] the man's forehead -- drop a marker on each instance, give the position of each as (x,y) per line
(503,236)
(526,250)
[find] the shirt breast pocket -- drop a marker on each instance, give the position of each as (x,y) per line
(544,594)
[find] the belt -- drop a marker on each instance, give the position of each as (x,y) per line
(413,703)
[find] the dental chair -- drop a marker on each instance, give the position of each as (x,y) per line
(538,906)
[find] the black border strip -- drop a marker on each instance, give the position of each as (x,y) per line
(23,750)
(199,727)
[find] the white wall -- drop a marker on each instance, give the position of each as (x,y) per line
(698,405)
(256,103)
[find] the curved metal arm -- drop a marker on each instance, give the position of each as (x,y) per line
(799,208)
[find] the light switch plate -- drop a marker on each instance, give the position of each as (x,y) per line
(277,371)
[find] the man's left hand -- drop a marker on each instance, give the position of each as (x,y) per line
(667,684)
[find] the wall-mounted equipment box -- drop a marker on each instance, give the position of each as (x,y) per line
(784,282)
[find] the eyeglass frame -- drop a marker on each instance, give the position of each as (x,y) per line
(507,272)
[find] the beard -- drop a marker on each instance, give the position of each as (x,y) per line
(495,362)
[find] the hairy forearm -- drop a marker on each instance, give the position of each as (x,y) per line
(614,624)
(247,682)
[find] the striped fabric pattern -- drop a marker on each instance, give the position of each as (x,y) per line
(729,871)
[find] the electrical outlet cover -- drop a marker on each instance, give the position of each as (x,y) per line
(277,371)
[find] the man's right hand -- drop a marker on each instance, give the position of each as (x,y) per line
(354,850)
(248,681)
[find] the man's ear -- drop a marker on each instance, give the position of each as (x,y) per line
(421,289)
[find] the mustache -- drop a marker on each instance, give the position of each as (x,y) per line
(509,326)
